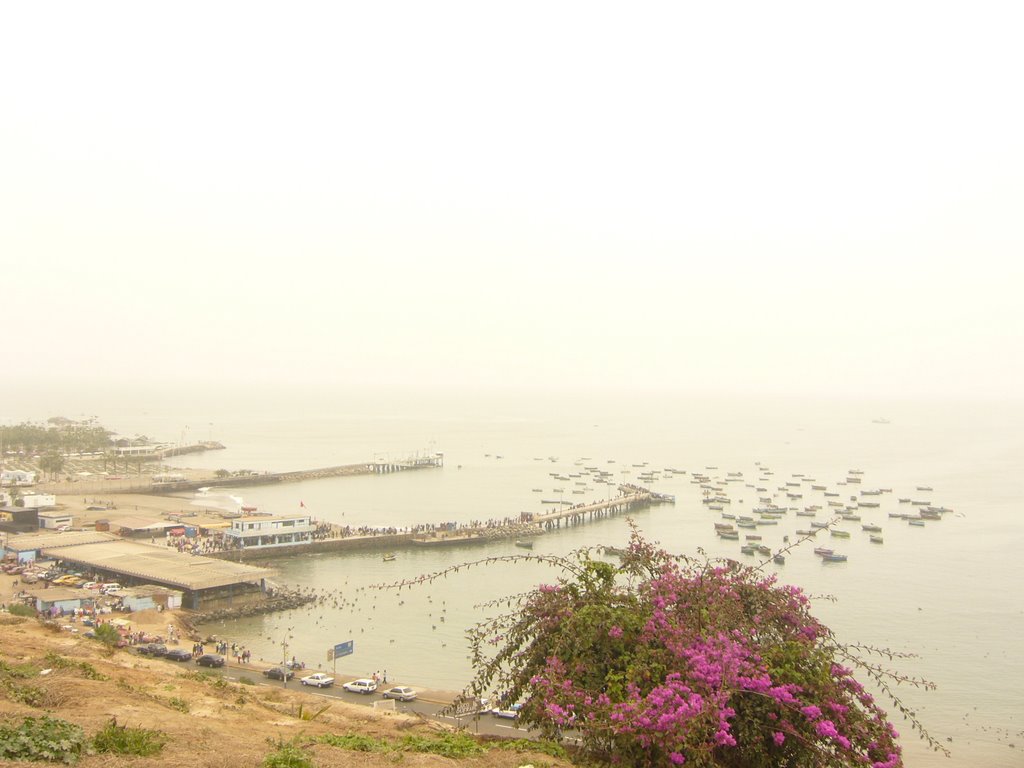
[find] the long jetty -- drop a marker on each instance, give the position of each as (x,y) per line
(376,467)
(632,497)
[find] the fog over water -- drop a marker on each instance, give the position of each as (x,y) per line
(683,235)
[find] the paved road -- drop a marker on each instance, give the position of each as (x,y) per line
(485,722)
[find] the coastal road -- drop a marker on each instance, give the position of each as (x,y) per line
(484,723)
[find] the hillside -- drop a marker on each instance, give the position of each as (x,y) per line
(211,723)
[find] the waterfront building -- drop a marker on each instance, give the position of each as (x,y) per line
(259,531)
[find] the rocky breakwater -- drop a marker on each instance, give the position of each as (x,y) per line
(281,600)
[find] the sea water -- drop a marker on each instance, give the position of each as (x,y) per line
(949,591)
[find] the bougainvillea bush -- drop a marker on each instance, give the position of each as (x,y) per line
(664,660)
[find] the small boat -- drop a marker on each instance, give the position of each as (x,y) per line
(748,549)
(904,500)
(752,537)
(812,532)
(723,526)
(840,534)
(538,490)
(822,551)
(734,535)
(614,551)
(833,558)
(916,521)
(924,488)
(780,559)
(389,557)
(876,539)
(871,528)
(816,524)
(525,544)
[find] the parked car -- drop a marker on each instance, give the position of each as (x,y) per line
(111,589)
(400,692)
(152,649)
(178,654)
(278,673)
(320,680)
(362,685)
(211,660)
(511,713)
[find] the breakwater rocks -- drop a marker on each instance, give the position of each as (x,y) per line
(279,601)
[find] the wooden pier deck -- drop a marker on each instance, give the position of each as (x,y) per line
(632,498)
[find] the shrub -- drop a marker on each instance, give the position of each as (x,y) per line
(20,609)
(107,635)
(42,739)
(665,660)
(287,754)
(123,740)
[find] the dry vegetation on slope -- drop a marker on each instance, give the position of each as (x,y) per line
(209,722)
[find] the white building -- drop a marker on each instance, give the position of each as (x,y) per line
(38,500)
(17,477)
(54,520)
(270,531)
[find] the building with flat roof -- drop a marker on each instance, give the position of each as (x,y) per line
(263,531)
(202,580)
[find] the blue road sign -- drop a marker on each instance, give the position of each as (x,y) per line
(344,649)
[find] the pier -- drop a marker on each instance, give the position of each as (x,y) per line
(633,497)
(378,467)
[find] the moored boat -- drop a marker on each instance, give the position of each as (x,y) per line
(780,559)
(833,558)
(871,527)
(524,543)
(840,534)
(876,539)
(822,551)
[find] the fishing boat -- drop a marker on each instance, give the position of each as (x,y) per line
(872,528)
(524,543)
(388,557)
(752,537)
(733,535)
(840,534)
(822,551)
(916,521)
(924,488)
(876,539)
(833,558)
(813,532)
(748,549)
(780,559)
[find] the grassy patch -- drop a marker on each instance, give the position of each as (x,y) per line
(287,754)
(84,668)
(122,740)
(452,745)
(173,702)
(525,745)
(20,609)
(42,739)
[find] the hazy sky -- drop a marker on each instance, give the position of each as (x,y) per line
(752,197)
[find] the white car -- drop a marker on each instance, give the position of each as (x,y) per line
(511,713)
(320,680)
(362,685)
(400,692)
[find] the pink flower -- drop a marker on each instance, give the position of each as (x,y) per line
(676,758)
(779,738)
(615,632)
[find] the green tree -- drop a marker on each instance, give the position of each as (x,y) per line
(108,635)
(52,463)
